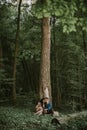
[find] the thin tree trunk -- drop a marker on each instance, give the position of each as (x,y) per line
(0,55)
(0,59)
(28,66)
(85,52)
(15,55)
(56,80)
(45,59)
(26,83)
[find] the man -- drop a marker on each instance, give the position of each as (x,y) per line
(47,106)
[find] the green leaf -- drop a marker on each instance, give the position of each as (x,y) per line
(65,28)
(46,14)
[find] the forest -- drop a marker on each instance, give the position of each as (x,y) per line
(43,46)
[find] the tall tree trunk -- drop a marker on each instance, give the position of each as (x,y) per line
(45,59)
(56,78)
(0,55)
(85,52)
(15,55)
(26,83)
(0,59)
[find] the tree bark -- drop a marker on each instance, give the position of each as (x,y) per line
(55,58)
(0,55)
(0,59)
(45,59)
(85,53)
(15,55)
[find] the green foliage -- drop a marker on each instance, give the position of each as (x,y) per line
(78,123)
(7,21)
(69,25)
(57,8)
(69,14)
(30,38)
(65,11)
(23,119)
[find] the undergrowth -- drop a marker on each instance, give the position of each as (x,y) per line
(24,119)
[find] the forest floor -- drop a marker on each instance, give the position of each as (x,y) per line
(22,117)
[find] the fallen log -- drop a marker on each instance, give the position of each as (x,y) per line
(64,119)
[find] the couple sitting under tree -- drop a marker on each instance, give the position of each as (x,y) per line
(44,106)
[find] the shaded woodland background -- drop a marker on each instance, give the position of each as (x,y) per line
(68,54)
